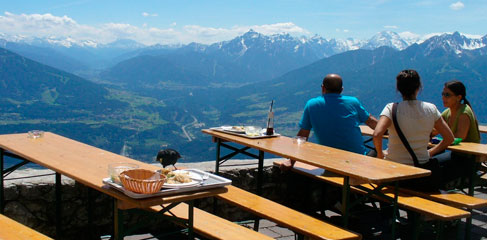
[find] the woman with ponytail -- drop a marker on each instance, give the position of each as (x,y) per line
(461,119)
(459,114)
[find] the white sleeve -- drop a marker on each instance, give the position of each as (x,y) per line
(387,111)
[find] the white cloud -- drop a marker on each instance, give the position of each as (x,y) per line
(342,30)
(30,26)
(145,14)
(390,27)
(457,6)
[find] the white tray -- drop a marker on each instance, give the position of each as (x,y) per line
(213,181)
(220,129)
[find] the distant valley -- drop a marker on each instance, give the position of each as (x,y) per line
(142,99)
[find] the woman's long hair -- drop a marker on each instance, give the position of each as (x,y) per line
(407,83)
(458,88)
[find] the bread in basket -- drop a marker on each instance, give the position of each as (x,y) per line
(142,181)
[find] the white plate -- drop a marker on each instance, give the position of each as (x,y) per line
(231,129)
(181,185)
(195,180)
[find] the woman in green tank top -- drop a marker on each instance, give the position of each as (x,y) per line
(461,119)
(459,114)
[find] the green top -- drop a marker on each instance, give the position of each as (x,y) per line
(473,134)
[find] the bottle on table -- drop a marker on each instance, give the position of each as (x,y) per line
(270,121)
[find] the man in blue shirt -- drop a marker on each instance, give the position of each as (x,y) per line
(335,118)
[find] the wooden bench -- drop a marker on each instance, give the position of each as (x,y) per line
(213,227)
(406,201)
(284,216)
(453,199)
(13,230)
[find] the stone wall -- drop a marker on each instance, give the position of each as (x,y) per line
(31,201)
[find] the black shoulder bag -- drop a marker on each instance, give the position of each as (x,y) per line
(432,182)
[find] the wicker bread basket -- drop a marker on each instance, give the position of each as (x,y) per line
(142,181)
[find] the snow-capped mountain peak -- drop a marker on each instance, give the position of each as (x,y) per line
(386,38)
(454,42)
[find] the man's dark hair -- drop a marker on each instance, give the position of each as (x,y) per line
(407,82)
(333,83)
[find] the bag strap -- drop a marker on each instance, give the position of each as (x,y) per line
(401,135)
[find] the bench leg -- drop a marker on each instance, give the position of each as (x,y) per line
(468,226)
(416,224)
(439,230)
(394,210)
(345,199)
(300,236)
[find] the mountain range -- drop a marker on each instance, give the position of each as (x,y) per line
(263,56)
(162,96)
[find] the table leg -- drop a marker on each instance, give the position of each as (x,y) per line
(260,180)
(117,221)
(190,219)
(2,198)
(260,172)
(471,187)
(218,147)
(345,200)
(91,227)
(58,206)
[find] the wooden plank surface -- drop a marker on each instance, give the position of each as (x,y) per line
(367,131)
(284,216)
(454,199)
(342,162)
(478,149)
(213,227)
(12,230)
(483,129)
(85,164)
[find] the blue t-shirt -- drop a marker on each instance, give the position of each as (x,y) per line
(335,120)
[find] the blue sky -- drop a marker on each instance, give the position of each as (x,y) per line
(183,21)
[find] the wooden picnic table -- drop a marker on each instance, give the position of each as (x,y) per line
(350,165)
(477,149)
(85,164)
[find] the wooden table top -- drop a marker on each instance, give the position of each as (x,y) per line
(366,130)
(354,165)
(483,129)
(478,149)
(85,164)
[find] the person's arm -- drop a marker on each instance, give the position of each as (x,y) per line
(286,165)
(371,122)
(304,133)
(382,125)
(446,134)
(463,126)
